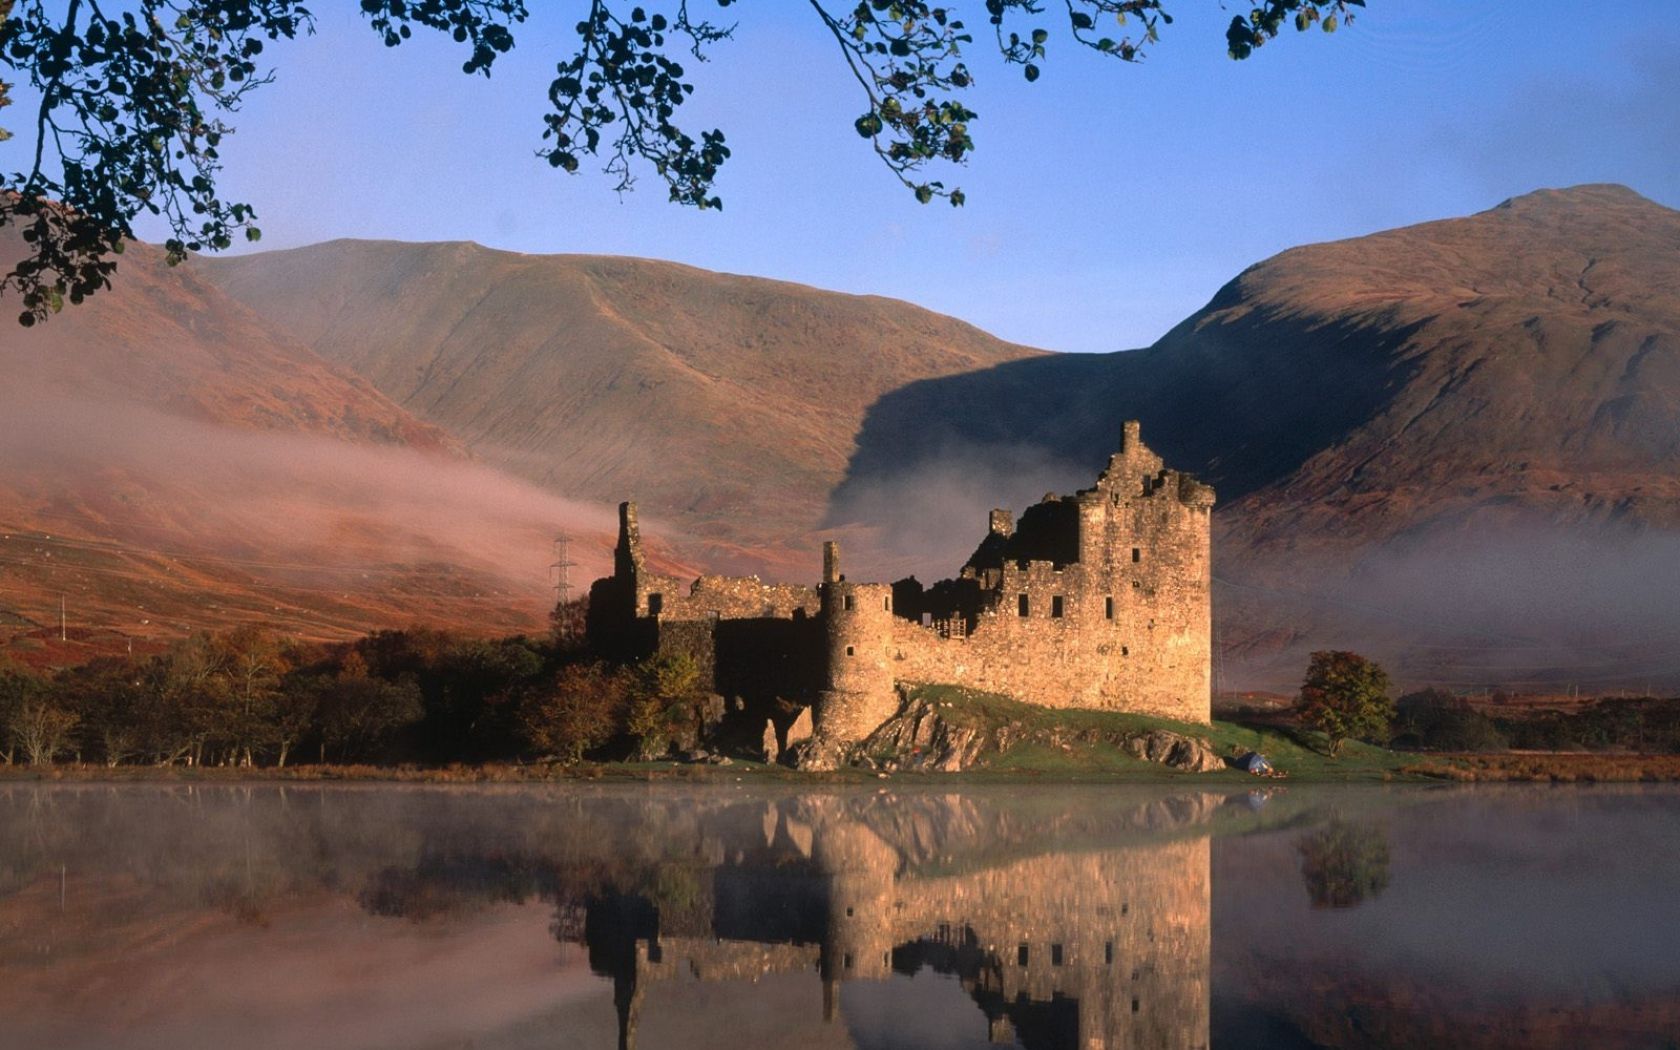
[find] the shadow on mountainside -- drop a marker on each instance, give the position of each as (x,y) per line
(1243,404)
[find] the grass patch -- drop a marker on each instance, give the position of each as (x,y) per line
(1290,751)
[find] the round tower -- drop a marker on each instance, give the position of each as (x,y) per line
(858,690)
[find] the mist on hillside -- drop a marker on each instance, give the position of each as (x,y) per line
(302,511)
(925,520)
(1526,605)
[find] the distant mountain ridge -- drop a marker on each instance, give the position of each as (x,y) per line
(727,404)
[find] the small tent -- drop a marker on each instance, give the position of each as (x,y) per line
(1254,762)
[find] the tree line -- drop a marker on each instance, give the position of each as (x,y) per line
(248,697)
(1344,696)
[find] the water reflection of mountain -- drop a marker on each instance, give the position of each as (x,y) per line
(1091,950)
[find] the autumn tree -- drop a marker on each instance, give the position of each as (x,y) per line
(361,717)
(664,698)
(250,662)
(133,99)
(108,697)
(42,729)
(567,623)
(1345,696)
(190,709)
(580,710)
(18,687)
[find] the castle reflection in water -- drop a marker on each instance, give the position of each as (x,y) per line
(1094,949)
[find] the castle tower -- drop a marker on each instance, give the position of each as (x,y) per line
(858,692)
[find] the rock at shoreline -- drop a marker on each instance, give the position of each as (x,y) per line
(922,737)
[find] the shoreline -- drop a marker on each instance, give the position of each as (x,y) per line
(1415,768)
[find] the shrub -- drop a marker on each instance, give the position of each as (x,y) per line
(1434,719)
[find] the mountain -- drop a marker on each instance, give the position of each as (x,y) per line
(1456,443)
(174,461)
(1454,446)
(727,405)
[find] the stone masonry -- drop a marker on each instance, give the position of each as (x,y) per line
(1099,599)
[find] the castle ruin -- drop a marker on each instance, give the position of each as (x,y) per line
(1099,599)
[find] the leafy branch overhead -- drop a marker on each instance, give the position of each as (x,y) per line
(130,99)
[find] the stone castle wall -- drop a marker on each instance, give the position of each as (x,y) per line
(1100,599)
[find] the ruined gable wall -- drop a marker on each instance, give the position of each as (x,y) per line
(1151,656)
(1163,598)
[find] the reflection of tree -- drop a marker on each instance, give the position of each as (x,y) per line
(1344,864)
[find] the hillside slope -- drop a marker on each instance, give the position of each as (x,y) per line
(727,404)
(172,461)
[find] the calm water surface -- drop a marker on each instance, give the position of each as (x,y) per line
(1051,918)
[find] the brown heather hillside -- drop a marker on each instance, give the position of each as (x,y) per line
(169,461)
(727,404)
(1455,444)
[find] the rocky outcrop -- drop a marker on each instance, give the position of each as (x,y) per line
(929,735)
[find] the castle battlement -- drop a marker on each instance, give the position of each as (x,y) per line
(1099,599)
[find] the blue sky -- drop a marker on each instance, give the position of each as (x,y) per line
(1106,201)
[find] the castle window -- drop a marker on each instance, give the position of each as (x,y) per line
(1124,652)
(1108,607)
(886,603)
(1056,607)
(1108,953)
(848,602)
(1137,555)
(1023,607)
(1021,955)
(850,651)
(848,913)
(656,604)
(1055,955)
(1135,1005)
(849,964)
